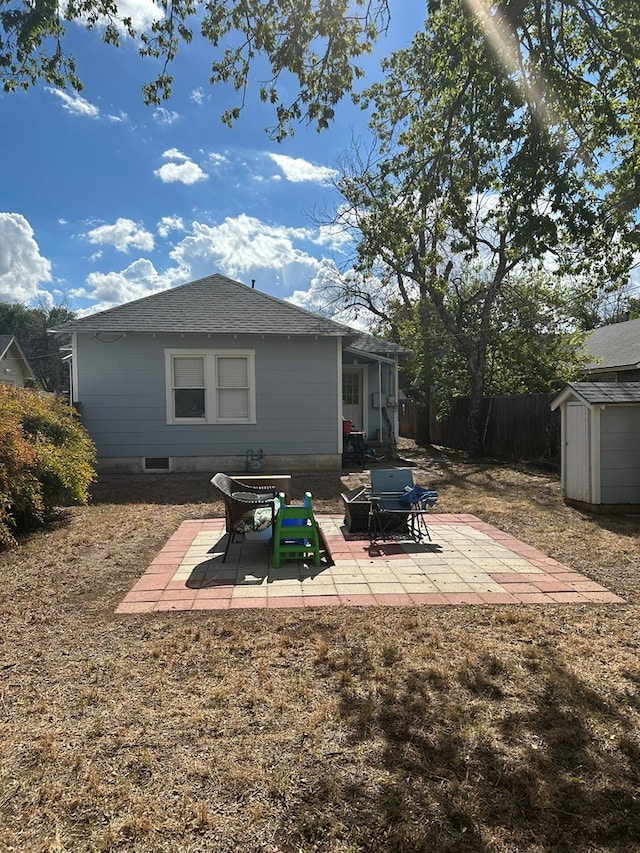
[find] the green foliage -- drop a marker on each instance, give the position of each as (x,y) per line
(46,459)
(532,345)
(29,326)
(605,307)
(316,41)
(504,148)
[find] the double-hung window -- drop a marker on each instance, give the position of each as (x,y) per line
(210,386)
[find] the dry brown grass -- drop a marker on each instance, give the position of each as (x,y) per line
(379,729)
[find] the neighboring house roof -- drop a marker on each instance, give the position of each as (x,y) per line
(213,305)
(599,393)
(614,347)
(5,343)
(377,346)
(8,341)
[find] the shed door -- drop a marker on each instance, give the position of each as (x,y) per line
(578,453)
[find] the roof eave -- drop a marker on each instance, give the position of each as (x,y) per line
(371,356)
(564,396)
(609,368)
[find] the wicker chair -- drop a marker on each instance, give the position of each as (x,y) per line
(247,507)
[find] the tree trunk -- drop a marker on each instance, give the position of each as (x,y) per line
(475,438)
(426,379)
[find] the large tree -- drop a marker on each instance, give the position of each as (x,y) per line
(505,142)
(565,51)
(29,326)
(317,41)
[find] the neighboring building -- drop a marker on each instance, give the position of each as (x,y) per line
(600,451)
(14,366)
(217,376)
(614,353)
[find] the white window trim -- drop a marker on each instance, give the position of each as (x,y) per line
(211,397)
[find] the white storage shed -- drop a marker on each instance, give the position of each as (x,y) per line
(600,445)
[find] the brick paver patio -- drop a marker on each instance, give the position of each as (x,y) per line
(467,562)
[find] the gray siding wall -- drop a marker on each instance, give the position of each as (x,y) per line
(620,455)
(121,396)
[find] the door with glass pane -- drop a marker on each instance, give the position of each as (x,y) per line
(352,396)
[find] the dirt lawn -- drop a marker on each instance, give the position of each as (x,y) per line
(483,728)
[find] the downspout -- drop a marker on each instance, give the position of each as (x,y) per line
(339,383)
(75,379)
(380,431)
(396,416)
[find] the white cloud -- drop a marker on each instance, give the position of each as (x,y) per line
(75,104)
(297,170)
(117,118)
(261,179)
(123,235)
(175,154)
(335,237)
(22,267)
(139,279)
(182,169)
(324,296)
(217,159)
(197,96)
(170,223)
(163,116)
(244,246)
(142,13)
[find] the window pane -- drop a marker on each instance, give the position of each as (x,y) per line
(351,389)
(233,372)
(188,371)
(233,404)
(189,403)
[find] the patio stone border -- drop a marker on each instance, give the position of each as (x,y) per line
(478,565)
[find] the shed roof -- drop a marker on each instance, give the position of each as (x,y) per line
(212,305)
(614,346)
(599,393)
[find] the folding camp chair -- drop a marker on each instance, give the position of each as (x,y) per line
(398,506)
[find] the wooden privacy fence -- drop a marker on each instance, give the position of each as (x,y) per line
(520,426)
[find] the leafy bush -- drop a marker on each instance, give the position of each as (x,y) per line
(46,459)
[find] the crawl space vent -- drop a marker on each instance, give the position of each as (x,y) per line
(156,463)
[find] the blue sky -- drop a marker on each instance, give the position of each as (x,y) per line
(104,200)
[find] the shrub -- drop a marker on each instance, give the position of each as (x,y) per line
(46,459)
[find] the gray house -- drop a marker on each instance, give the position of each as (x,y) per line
(214,375)
(14,366)
(614,353)
(600,451)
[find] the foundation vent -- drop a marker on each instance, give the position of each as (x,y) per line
(156,464)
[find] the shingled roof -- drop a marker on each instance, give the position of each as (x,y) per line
(377,346)
(614,347)
(212,305)
(5,343)
(599,393)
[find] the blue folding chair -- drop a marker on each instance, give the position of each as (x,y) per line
(398,505)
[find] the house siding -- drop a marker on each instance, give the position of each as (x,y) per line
(121,391)
(620,455)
